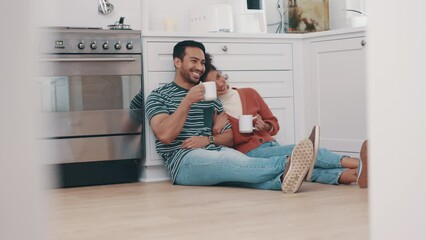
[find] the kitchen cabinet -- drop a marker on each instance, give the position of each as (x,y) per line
(306,79)
(336,91)
(263,64)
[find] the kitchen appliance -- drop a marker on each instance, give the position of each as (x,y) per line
(88,78)
(119,25)
(214,18)
(249,16)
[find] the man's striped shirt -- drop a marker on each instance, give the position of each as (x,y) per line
(166,99)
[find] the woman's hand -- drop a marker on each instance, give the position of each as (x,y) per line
(196,142)
(219,122)
(260,125)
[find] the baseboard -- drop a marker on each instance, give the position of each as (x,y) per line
(154,174)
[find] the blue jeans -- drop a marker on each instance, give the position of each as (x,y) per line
(230,167)
(327,167)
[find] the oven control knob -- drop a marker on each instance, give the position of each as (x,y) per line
(129,46)
(117,46)
(93,45)
(105,46)
(81,45)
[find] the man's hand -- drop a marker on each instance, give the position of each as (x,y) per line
(196,142)
(195,94)
(260,125)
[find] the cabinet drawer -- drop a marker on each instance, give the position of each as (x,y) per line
(91,149)
(251,56)
(270,84)
(227,56)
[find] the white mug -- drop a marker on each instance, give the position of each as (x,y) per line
(246,123)
(210,91)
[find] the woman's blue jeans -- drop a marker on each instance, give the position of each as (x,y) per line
(327,167)
(230,167)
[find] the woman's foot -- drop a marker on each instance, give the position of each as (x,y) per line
(314,137)
(297,166)
(363,166)
(348,176)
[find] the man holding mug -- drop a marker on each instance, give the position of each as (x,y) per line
(181,118)
(253,125)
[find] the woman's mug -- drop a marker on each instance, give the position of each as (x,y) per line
(245,123)
(210,91)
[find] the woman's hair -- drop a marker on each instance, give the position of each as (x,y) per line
(208,66)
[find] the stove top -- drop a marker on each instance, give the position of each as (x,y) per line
(90,40)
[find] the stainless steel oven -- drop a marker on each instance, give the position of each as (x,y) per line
(87,81)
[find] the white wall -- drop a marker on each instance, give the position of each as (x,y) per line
(340,18)
(179,12)
(84,13)
(397,115)
(272,15)
(150,14)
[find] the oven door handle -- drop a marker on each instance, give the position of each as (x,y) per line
(121,59)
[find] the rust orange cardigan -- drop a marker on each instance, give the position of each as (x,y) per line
(253,104)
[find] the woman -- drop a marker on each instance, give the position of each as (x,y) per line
(328,168)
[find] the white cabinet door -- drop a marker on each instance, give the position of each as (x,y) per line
(283,109)
(156,79)
(338,93)
(266,66)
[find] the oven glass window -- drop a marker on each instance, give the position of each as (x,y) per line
(87,93)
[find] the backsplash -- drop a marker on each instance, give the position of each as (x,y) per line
(153,14)
(84,13)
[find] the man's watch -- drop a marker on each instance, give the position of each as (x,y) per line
(211,139)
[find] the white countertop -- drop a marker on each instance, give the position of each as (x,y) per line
(255,35)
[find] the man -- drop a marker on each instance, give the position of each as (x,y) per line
(327,167)
(182,124)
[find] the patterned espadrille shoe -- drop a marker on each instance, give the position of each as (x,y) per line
(298,165)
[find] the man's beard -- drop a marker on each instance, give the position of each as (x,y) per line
(186,74)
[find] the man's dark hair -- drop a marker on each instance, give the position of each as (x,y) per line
(208,66)
(179,49)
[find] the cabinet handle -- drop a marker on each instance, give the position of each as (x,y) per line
(225,48)
(363,43)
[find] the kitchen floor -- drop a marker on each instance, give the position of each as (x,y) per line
(160,210)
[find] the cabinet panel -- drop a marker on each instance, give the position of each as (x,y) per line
(283,109)
(250,56)
(227,56)
(157,79)
(338,93)
(267,83)
(266,67)
(152,158)
(153,81)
